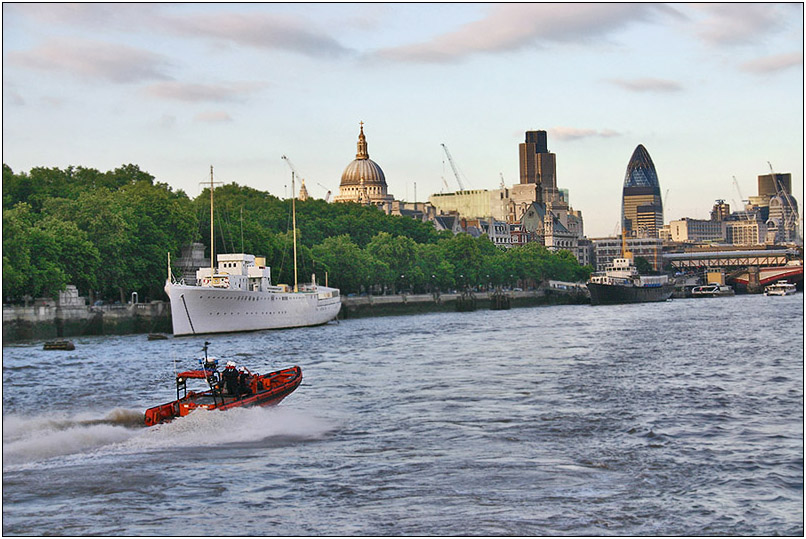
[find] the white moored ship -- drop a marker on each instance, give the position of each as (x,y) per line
(238,296)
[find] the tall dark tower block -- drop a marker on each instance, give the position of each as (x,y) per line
(538,165)
(769,185)
(641,204)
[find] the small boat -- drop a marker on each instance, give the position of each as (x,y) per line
(156,337)
(781,288)
(248,389)
(59,345)
(712,290)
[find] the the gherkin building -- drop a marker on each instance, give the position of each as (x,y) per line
(641,203)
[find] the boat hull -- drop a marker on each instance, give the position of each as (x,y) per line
(268,390)
(199,310)
(608,294)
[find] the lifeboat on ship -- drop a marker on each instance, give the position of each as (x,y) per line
(251,389)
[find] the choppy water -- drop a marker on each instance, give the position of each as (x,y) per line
(679,418)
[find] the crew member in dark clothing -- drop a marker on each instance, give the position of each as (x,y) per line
(230,379)
(243,382)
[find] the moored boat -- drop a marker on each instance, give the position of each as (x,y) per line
(781,288)
(711,290)
(621,283)
(59,345)
(238,295)
(227,390)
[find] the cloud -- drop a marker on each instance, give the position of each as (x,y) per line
(771,64)
(258,30)
(648,85)
(253,29)
(167,121)
(737,24)
(194,92)
(93,59)
(213,116)
(510,27)
(122,15)
(12,95)
(573,133)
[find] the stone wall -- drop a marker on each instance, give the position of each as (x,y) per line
(50,321)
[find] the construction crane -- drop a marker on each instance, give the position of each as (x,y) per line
(327,196)
(745,202)
(453,166)
(298,175)
(503,184)
(792,215)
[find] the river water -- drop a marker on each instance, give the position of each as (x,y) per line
(677,418)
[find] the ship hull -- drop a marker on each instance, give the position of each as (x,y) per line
(199,310)
(606,294)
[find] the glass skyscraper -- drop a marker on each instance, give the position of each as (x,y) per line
(641,203)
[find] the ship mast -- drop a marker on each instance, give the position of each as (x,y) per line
(294,222)
(212,237)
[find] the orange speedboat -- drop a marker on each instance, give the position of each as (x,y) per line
(248,390)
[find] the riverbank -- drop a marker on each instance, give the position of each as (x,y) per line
(43,322)
(359,307)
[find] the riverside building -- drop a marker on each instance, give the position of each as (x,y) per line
(535,209)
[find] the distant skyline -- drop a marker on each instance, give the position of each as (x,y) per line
(712,91)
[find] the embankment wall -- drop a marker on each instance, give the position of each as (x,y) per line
(43,322)
(47,322)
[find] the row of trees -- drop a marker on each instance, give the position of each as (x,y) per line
(109,234)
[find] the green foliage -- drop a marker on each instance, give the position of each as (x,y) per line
(109,233)
(644,266)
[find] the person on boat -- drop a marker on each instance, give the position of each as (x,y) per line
(230,379)
(243,381)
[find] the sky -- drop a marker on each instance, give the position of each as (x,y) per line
(713,91)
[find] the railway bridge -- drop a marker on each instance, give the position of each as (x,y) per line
(747,271)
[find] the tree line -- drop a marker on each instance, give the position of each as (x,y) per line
(109,234)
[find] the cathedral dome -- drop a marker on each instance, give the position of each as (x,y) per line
(363,169)
(363,180)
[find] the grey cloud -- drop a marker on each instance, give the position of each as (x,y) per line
(12,95)
(574,133)
(648,85)
(260,31)
(93,59)
(215,116)
(737,24)
(771,64)
(194,92)
(515,26)
(90,15)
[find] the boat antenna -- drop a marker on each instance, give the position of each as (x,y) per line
(294,221)
(170,277)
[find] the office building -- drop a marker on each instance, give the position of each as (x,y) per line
(641,207)
(538,166)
